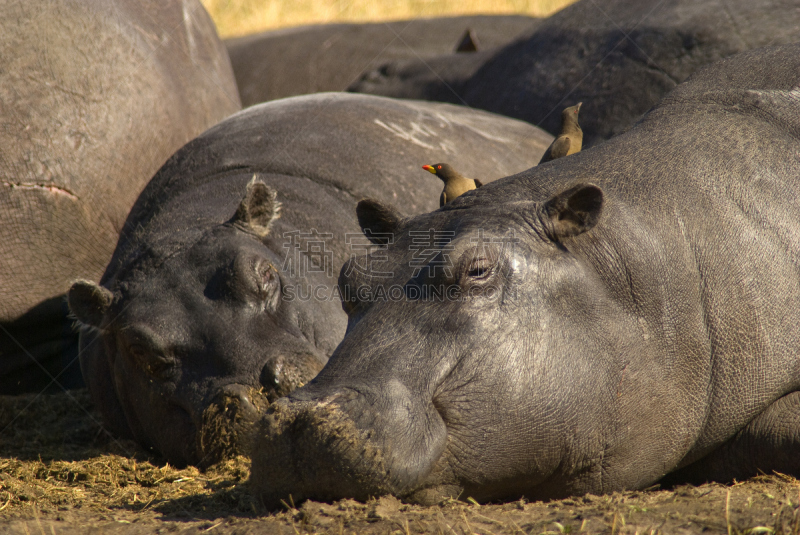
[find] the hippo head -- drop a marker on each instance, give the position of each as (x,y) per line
(475,334)
(184,347)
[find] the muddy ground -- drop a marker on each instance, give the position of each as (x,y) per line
(61,473)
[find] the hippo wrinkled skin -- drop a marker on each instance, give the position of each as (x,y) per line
(592,324)
(220,295)
(95,95)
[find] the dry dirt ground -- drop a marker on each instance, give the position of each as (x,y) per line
(61,473)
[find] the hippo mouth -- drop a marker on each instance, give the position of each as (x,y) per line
(314,449)
(228,422)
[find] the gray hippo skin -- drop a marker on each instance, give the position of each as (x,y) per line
(642,316)
(204,314)
(618,57)
(95,95)
(330,57)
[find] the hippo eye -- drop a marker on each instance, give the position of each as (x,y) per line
(267,283)
(250,279)
(480,268)
(147,357)
(478,272)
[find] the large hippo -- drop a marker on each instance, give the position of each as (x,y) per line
(588,325)
(221,294)
(329,57)
(619,57)
(95,95)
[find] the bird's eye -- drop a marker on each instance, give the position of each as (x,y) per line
(438,167)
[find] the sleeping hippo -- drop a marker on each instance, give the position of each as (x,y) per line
(586,326)
(619,57)
(329,57)
(221,294)
(94,97)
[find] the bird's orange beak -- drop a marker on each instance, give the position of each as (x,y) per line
(429,168)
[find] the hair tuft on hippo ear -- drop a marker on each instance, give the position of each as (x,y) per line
(572,212)
(258,209)
(89,302)
(378,221)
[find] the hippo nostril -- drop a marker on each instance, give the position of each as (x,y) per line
(235,398)
(236,401)
(271,373)
(235,391)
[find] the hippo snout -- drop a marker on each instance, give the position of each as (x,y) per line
(343,444)
(312,449)
(228,421)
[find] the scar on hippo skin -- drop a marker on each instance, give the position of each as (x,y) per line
(258,209)
(377,220)
(46,187)
(572,212)
(89,302)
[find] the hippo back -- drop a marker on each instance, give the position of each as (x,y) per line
(619,58)
(329,57)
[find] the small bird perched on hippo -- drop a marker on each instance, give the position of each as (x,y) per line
(569,139)
(455,184)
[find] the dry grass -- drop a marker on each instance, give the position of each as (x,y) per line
(241,17)
(60,473)
(56,457)
(109,483)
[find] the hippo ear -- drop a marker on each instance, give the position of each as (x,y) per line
(89,302)
(258,209)
(378,221)
(469,42)
(572,212)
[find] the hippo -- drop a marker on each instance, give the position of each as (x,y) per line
(329,57)
(619,57)
(221,294)
(589,325)
(95,95)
